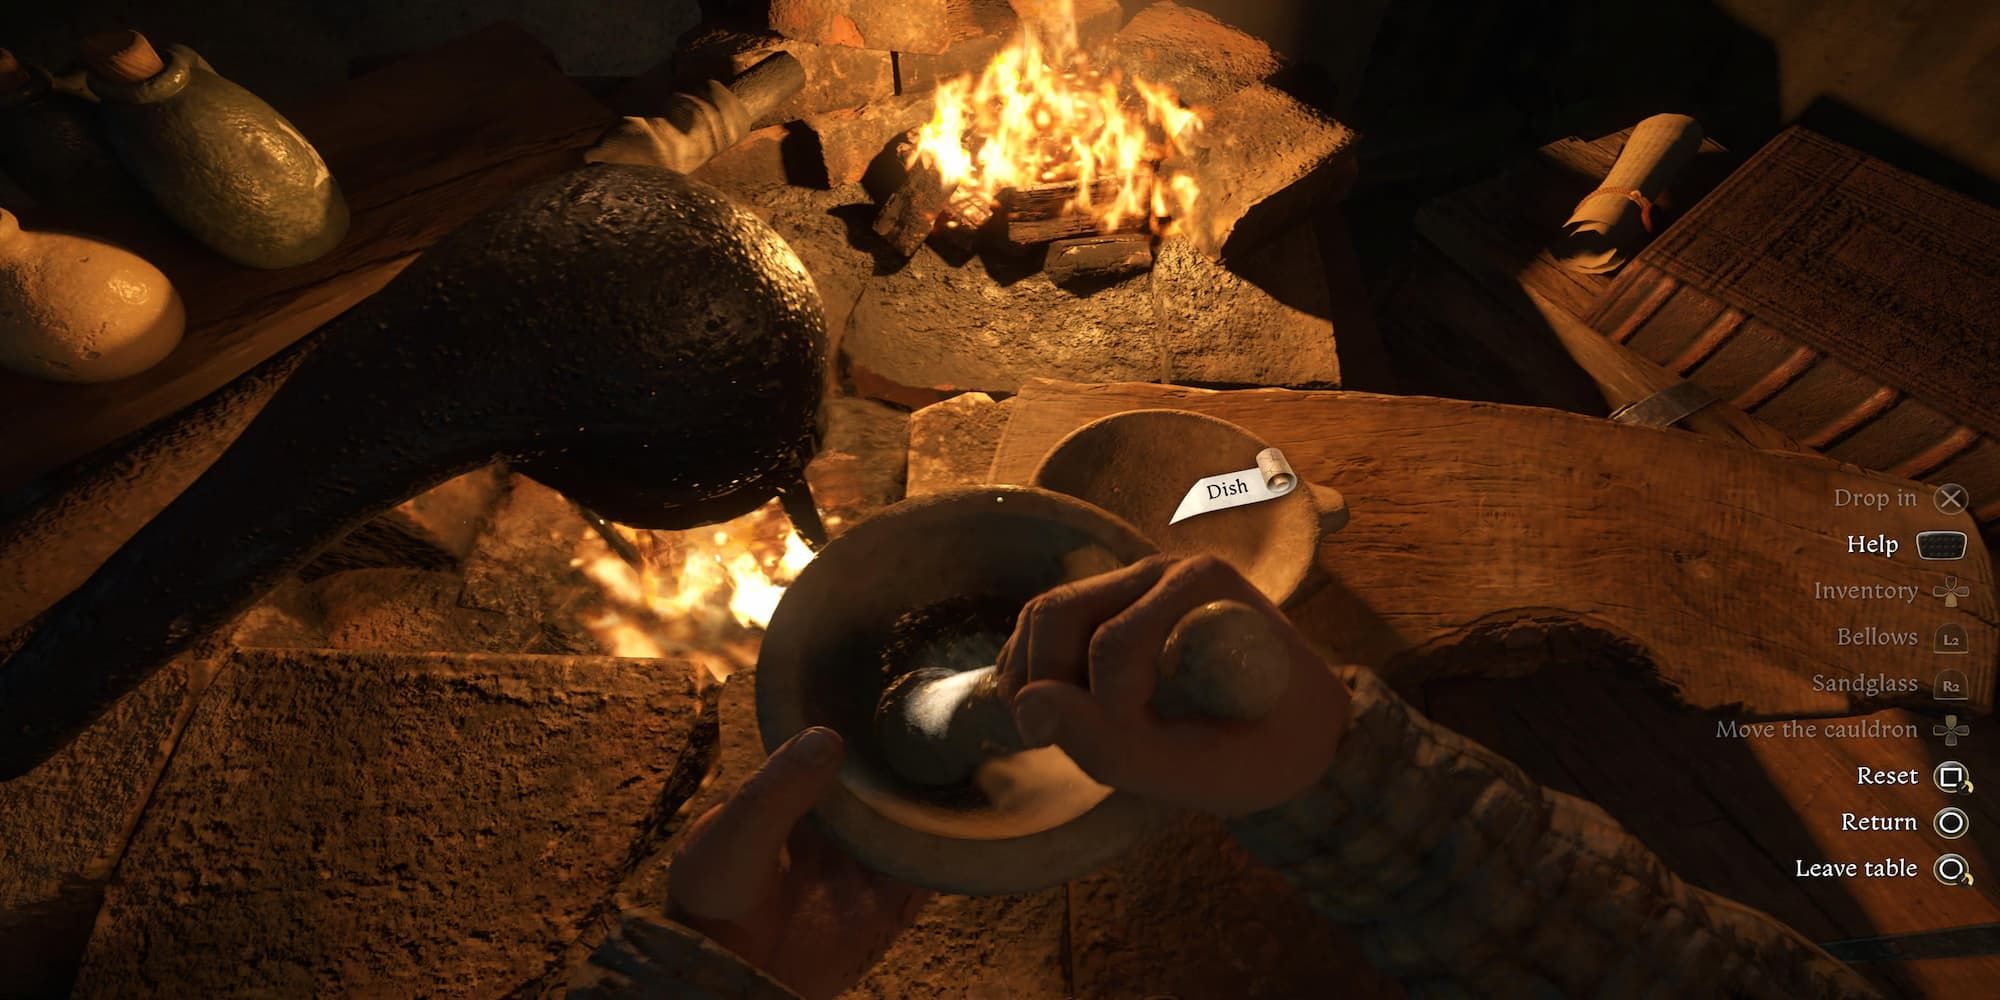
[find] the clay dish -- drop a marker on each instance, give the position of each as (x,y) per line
(1138,465)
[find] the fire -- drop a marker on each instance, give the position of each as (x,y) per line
(1040,114)
(708,589)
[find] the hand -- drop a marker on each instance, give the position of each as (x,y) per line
(775,891)
(1081,666)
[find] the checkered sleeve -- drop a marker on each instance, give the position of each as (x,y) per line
(1463,877)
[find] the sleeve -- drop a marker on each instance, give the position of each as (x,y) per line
(1461,876)
(647,956)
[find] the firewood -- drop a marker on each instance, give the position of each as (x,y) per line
(850,140)
(1099,259)
(911,213)
(1043,212)
(966,215)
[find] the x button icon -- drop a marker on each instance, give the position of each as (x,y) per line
(1952,730)
(1952,498)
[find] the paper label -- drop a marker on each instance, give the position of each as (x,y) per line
(1269,479)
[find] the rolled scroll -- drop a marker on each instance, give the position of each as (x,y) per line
(1613,222)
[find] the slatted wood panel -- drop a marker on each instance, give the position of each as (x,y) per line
(1846,303)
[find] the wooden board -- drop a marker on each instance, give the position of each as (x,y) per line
(1479,528)
(1845,302)
(418,147)
(1528,310)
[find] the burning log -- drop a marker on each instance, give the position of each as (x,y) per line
(911,213)
(1099,259)
(1045,212)
(1262,160)
(898,25)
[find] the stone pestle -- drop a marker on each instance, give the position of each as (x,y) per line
(625,335)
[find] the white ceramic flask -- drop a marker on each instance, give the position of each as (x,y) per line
(77,309)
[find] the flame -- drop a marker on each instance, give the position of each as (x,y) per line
(707,589)
(1040,114)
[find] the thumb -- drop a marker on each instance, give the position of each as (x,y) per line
(1062,714)
(729,863)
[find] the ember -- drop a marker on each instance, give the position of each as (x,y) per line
(697,589)
(1040,114)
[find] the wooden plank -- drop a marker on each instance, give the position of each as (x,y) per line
(1734,815)
(418,146)
(1499,230)
(1470,519)
(1496,233)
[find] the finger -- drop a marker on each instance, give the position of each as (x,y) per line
(1052,713)
(730,861)
(1124,653)
(1051,640)
(1150,758)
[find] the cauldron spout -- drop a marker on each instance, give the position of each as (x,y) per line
(623,334)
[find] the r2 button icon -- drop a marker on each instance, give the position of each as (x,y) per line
(1951,869)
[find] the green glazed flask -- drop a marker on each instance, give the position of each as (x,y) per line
(53,148)
(219,161)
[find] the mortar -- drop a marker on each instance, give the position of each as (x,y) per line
(936,789)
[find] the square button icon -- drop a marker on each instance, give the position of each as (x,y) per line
(1941,545)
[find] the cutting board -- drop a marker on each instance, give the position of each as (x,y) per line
(418,146)
(1499,538)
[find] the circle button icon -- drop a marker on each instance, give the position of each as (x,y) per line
(1951,869)
(1951,822)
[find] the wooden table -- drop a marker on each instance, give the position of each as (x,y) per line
(418,147)
(1632,589)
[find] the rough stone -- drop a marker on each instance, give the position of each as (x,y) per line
(396,824)
(837,76)
(520,566)
(406,609)
(1189,914)
(1267,322)
(901,25)
(1201,58)
(952,443)
(816,224)
(861,465)
(932,329)
(1263,163)
(64,825)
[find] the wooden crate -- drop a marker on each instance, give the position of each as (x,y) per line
(1847,303)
